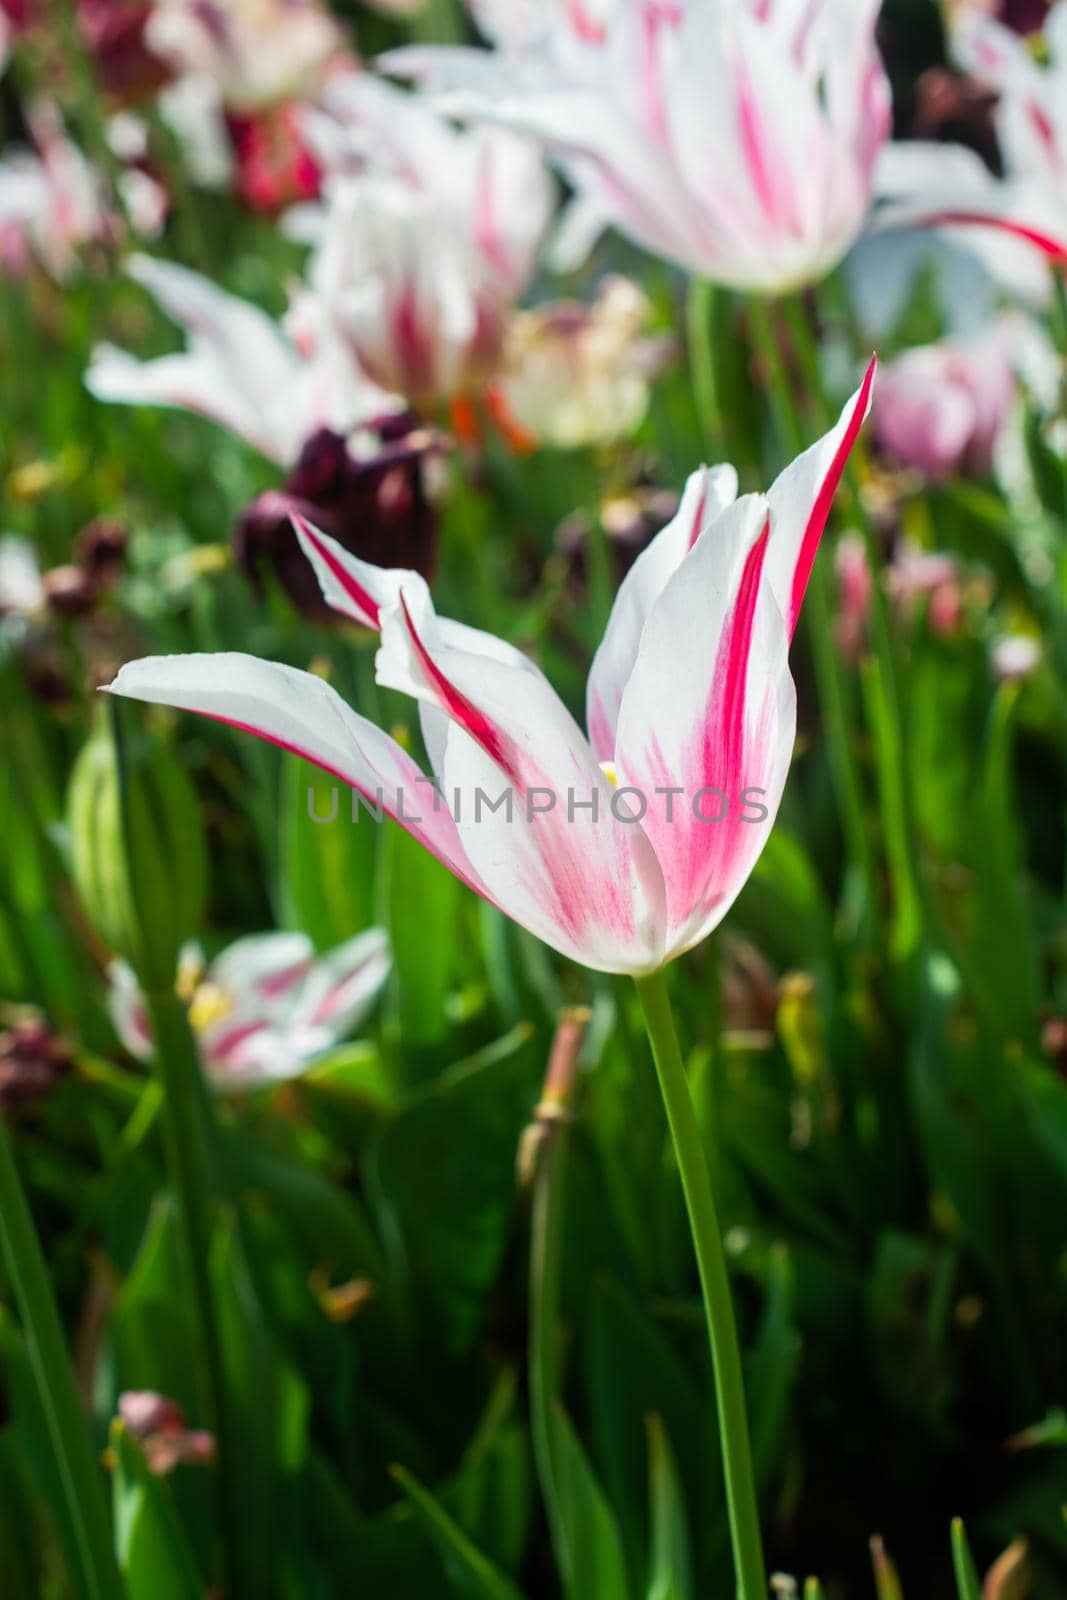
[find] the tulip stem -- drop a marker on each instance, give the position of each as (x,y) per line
(546,1264)
(76,1466)
(715,1286)
(698,315)
(185,1138)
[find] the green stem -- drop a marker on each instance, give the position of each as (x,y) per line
(765,339)
(698,315)
(185,1124)
(546,1254)
(78,1471)
(715,1285)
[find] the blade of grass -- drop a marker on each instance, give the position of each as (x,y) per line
(83,1490)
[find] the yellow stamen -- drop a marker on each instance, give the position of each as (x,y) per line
(209,1004)
(610,772)
(190,972)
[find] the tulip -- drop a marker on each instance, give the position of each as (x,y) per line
(1031,116)
(946,186)
(575,375)
(1015,656)
(158,1424)
(376,495)
(427,235)
(941,407)
(689,695)
(855,590)
(690,689)
(33,1061)
(935,576)
(272,386)
(22,591)
(51,202)
(738,140)
(258,53)
(266,1008)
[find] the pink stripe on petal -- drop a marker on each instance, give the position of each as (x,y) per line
(359,596)
(276,983)
(343,777)
(824,499)
(698,516)
(752,143)
(1055,249)
(731,668)
(226,1043)
(459,708)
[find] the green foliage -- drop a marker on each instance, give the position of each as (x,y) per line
(875,1037)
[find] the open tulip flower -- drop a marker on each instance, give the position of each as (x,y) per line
(266,1007)
(272,386)
(426,236)
(607,848)
(948,186)
(941,407)
(257,52)
(738,140)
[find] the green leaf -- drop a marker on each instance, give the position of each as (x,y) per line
(150,1327)
(326,867)
(443,1173)
(423,905)
(1003,950)
(670,1576)
(774,1367)
(595,1568)
(267,1408)
(967,1583)
(473,1575)
(635,1372)
(153,1552)
(331,1222)
(491,1494)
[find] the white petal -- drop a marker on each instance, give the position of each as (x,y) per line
(710,706)
(304,715)
(707,493)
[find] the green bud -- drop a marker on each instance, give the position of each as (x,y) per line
(137,848)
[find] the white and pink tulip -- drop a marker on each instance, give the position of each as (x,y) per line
(266,1008)
(737,140)
(949,187)
(427,235)
(940,407)
(271,385)
(610,851)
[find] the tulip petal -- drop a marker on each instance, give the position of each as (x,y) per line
(710,707)
(707,493)
(302,714)
(800,500)
(343,985)
(263,971)
(355,588)
(554,856)
(128,1011)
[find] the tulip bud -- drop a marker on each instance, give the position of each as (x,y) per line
(137,850)
(886,1581)
(557,1094)
(800,1029)
(33,1060)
